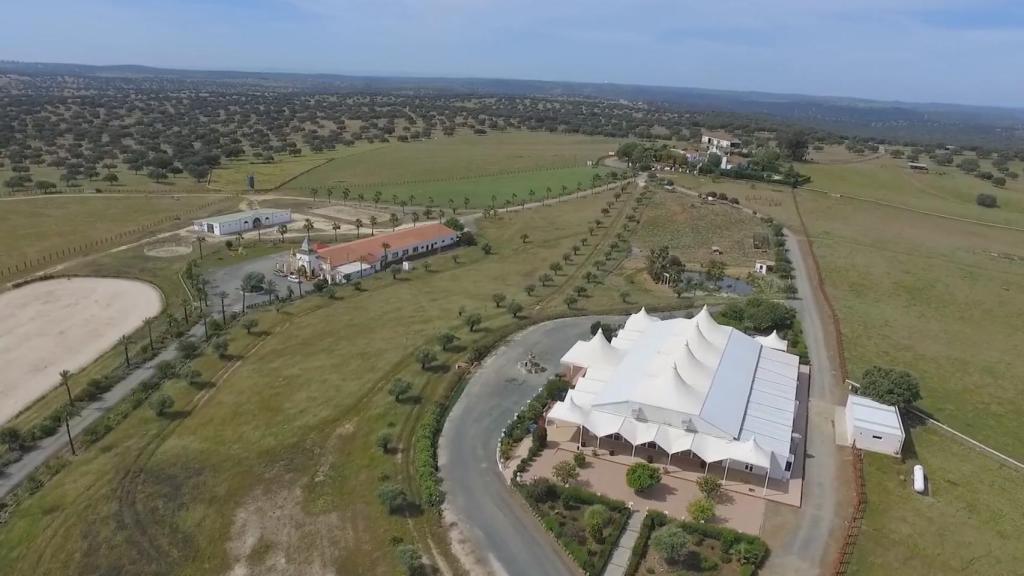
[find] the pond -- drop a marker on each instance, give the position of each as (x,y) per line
(727,285)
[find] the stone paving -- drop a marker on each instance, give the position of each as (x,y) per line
(620,558)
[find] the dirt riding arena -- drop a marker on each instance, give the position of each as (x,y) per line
(168,250)
(49,326)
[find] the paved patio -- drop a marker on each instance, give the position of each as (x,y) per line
(607,476)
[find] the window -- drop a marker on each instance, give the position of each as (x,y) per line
(405,252)
(876,437)
(415,249)
(748,467)
(789,465)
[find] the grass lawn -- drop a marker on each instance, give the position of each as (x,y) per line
(278,464)
(32,228)
(690,228)
(450,159)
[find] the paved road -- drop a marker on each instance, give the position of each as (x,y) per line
(229,279)
(503,533)
(803,541)
(50,447)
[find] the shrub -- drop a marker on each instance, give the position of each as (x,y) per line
(596,518)
(709,486)
(987,200)
(12,438)
(890,386)
(540,490)
(579,459)
(384,441)
(393,497)
(409,558)
(642,476)
(161,403)
(565,471)
(701,510)
(670,542)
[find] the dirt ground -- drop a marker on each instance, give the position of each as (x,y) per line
(49,326)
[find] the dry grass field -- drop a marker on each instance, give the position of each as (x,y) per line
(690,227)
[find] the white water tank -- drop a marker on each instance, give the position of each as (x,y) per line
(919,479)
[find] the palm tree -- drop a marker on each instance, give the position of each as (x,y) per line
(345,193)
(494,199)
(394,200)
(330,192)
(376,197)
(532,194)
(282,230)
(361,197)
(394,219)
(547,193)
(241,288)
(124,342)
(412,199)
(223,313)
(564,189)
(428,212)
(308,226)
(258,225)
(270,289)
(385,246)
(185,303)
(65,377)
(149,327)
(359,226)
(335,226)
(403,204)
(415,218)
(465,202)
(579,188)
(373,223)
(200,241)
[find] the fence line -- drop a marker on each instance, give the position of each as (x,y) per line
(58,255)
(853,526)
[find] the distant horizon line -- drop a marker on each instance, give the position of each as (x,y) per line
(420,76)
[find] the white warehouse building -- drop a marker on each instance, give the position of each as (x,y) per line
(264,218)
(687,386)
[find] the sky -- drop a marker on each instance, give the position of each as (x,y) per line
(959,51)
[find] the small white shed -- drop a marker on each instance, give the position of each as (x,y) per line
(874,426)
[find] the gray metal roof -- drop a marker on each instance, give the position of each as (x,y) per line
(240,215)
(724,406)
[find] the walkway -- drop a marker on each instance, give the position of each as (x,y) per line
(620,558)
(47,448)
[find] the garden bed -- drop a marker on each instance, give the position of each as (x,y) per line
(708,550)
(563,511)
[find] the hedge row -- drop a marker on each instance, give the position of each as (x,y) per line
(519,427)
(427,435)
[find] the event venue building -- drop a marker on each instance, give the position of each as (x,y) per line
(264,218)
(688,387)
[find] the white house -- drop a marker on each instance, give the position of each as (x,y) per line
(763,267)
(874,426)
(264,218)
(686,386)
(359,258)
(721,143)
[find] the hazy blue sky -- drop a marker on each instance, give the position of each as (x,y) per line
(966,51)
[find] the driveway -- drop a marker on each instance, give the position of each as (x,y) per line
(229,279)
(503,534)
(805,540)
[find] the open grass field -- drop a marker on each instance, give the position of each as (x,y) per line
(690,228)
(945,190)
(937,297)
(231,175)
(448,159)
(32,228)
(276,464)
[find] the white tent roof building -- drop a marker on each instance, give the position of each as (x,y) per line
(687,384)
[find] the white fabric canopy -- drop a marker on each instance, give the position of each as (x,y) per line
(673,440)
(594,352)
(603,423)
(713,449)
(638,432)
(773,341)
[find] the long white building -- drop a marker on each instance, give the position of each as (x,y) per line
(687,385)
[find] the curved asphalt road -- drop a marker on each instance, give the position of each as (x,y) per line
(496,521)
